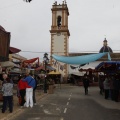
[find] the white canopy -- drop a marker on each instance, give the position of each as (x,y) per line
(78,73)
(8,64)
(91,65)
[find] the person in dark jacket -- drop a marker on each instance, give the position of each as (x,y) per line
(116,87)
(45,84)
(86,84)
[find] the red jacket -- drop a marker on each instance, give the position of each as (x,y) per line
(22,84)
(27,86)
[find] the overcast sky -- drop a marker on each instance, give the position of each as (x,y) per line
(90,21)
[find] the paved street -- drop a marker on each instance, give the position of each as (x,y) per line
(70,103)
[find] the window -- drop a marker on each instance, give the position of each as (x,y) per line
(59,22)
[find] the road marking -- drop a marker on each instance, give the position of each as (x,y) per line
(70,95)
(52,104)
(65,110)
(47,112)
(38,118)
(61,118)
(67,103)
(41,105)
(58,109)
(69,99)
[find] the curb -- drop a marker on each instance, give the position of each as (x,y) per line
(11,115)
(20,110)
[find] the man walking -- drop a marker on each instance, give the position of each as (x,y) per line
(86,84)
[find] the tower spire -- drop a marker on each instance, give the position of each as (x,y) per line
(65,2)
(105,42)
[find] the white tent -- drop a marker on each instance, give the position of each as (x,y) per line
(78,73)
(91,65)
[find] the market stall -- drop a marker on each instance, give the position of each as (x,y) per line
(109,67)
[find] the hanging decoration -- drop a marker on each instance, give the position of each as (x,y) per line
(31,60)
(80,60)
(58,65)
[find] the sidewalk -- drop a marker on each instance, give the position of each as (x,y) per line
(16,108)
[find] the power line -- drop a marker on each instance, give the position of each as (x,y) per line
(69,52)
(34,52)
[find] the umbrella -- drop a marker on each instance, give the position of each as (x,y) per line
(8,64)
(13,50)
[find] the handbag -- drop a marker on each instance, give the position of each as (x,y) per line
(1,97)
(19,100)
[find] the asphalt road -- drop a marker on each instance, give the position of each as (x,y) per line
(69,103)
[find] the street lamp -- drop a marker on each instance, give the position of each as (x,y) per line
(46,60)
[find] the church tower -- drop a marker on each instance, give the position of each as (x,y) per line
(60,35)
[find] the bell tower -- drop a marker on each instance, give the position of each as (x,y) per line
(60,33)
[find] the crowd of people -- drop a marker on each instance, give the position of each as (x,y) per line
(27,84)
(110,86)
(25,91)
(26,88)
